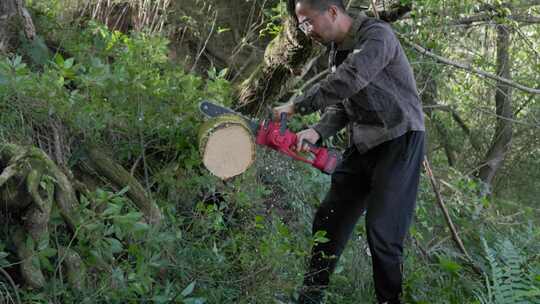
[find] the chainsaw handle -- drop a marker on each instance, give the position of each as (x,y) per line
(313,148)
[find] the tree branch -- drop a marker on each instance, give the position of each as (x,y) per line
(449,222)
(484,17)
(467,67)
(510,4)
(392,14)
(458,120)
(205,43)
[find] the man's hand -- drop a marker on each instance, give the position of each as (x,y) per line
(309,135)
(286,108)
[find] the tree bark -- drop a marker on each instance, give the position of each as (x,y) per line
(120,178)
(389,10)
(283,58)
(429,99)
(13,16)
(501,141)
(30,182)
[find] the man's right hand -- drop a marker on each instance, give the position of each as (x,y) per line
(309,135)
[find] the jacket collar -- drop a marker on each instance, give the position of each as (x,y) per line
(352,36)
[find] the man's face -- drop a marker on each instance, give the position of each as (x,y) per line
(318,25)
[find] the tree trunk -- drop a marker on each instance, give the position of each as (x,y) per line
(30,182)
(502,138)
(429,98)
(284,57)
(14,16)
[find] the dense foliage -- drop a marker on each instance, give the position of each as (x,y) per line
(247,240)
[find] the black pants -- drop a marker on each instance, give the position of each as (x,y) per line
(384,183)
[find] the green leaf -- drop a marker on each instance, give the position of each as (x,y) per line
(48,252)
(259,221)
(189,289)
(30,242)
(449,266)
(35,261)
(69,63)
(17,61)
(139,227)
(45,263)
(222,29)
(129,218)
(115,244)
(123,191)
(320,237)
(112,209)
(222,73)
(43,243)
(59,60)
(194,301)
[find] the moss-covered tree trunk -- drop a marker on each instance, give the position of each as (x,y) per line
(284,57)
(30,182)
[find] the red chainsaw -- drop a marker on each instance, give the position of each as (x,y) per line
(275,135)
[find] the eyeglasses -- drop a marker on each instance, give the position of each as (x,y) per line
(306,26)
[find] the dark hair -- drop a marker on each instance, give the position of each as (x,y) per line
(322,5)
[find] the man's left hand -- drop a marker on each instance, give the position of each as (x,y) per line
(286,108)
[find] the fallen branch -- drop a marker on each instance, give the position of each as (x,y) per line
(120,177)
(468,67)
(447,217)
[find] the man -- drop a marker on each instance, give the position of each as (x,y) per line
(372,89)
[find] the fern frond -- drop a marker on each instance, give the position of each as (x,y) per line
(508,280)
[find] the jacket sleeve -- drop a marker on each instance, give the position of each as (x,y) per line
(332,121)
(372,54)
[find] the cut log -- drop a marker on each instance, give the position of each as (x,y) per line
(226,145)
